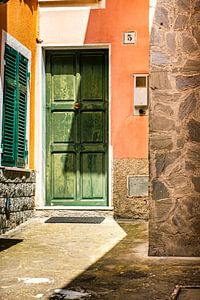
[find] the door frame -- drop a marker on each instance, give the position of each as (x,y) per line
(40,127)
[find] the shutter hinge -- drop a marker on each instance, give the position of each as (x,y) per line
(4,62)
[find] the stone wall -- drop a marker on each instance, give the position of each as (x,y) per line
(126,206)
(17,190)
(175,129)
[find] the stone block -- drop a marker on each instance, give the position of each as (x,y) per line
(192,65)
(3,222)
(2,205)
(163,96)
(160,80)
(161,123)
(196,5)
(183,4)
(162,17)
(196,182)
(163,109)
(163,209)
(187,106)
(187,82)
(159,58)
(180,22)
(188,43)
(196,33)
(159,142)
(159,190)
(164,160)
(160,164)
(4,189)
(171,41)
(2,178)
(195,18)
(193,155)
(156,37)
(179,183)
(194,130)
(181,142)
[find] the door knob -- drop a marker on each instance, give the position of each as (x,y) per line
(77,105)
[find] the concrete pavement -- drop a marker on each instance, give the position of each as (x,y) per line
(89,261)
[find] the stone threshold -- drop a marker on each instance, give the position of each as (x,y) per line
(49,211)
(74,208)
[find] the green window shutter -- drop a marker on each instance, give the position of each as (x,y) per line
(22,103)
(14,108)
(9,107)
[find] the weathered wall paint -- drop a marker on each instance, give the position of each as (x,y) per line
(83,26)
(129,133)
(19,19)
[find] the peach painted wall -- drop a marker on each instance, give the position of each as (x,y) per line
(129,133)
(80,26)
(19,19)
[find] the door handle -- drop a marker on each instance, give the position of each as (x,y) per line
(77,106)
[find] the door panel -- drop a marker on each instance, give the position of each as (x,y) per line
(63,75)
(92,170)
(92,124)
(63,127)
(77,135)
(64,178)
(92,77)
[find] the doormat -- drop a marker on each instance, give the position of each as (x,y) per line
(79,220)
(186,293)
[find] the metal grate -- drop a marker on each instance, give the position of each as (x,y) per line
(79,220)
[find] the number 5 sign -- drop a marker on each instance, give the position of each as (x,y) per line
(129,37)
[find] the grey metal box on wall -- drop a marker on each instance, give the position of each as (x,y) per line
(137,185)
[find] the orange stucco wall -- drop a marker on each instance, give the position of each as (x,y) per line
(129,133)
(19,19)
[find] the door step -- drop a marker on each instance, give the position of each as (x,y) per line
(66,212)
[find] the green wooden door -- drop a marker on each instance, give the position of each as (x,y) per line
(77,127)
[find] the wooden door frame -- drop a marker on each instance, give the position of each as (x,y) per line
(40,128)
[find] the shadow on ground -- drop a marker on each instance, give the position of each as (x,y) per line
(7,243)
(126,272)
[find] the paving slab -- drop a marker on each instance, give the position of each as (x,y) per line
(52,261)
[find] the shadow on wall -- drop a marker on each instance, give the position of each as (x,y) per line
(31,4)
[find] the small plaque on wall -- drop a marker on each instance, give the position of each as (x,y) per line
(138,185)
(130,37)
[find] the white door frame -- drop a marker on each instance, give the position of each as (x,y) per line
(40,128)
